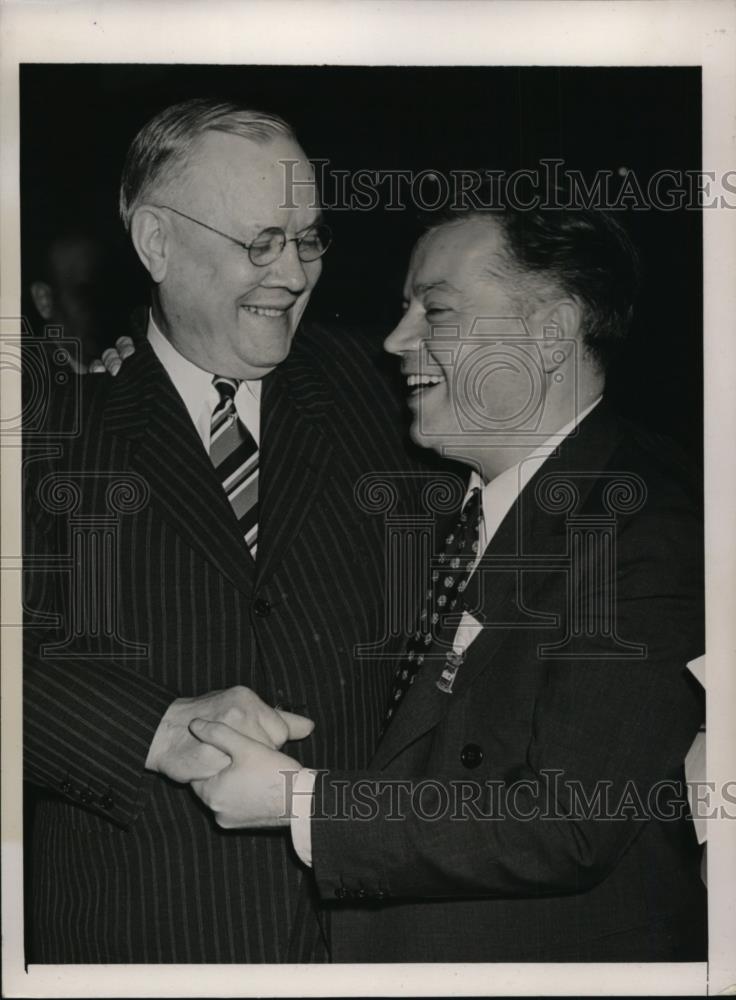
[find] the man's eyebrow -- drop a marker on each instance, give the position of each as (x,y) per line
(428,286)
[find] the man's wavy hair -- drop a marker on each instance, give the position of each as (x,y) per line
(164,144)
(581,252)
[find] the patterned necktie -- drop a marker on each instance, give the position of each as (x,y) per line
(234,454)
(448,581)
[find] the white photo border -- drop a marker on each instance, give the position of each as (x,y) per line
(411,32)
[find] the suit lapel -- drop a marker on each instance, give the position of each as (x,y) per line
(530,536)
(166,450)
(296,450)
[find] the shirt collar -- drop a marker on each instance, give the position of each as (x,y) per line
(513,480)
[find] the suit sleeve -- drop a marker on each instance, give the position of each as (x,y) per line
(607,740)
(88,722)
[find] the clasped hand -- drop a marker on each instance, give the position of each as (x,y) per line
(226,745)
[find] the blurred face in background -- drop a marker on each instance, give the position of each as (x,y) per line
(75,292)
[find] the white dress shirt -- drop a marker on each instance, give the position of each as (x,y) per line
(498,497)
(195,387)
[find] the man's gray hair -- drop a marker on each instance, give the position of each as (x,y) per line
(165,142)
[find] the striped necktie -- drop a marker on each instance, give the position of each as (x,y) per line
(234,454)
(449,579)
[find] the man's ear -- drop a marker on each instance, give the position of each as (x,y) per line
(151,239)
(556,328)
(43,298)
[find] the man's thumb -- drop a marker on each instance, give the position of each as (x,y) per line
(298,725)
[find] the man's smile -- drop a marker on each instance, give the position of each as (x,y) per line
(270,311)
(417,383)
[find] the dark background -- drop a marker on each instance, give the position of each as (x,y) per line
(78,120)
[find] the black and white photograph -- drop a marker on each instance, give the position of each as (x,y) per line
(366,445)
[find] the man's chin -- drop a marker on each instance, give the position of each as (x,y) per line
(250,372)
(455,447)
(261,358)
(426,439)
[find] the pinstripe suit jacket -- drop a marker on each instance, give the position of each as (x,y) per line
(141,590)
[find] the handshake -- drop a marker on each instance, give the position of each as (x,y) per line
(226,745)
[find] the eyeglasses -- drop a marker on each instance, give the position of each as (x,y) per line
(269,243)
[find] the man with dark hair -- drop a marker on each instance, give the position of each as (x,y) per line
(526,801)
(588,254)
(195,551)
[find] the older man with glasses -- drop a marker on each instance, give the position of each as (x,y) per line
(238,572)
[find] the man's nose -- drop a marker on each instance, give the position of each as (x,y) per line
(406,336)
(287,271)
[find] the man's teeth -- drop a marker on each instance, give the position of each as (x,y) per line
(262,311)
(415,381)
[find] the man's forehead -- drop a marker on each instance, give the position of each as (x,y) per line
(233,169)
(446,257)
(216,147)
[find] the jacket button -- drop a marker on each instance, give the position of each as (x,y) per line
(65,787)
(341,892)
(107,802)
(87,796)
(262,608)
(471,755)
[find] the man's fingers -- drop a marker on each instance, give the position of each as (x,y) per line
(199,787)
(111,360)
(210,761)
(221,736)
(263,735)
(125,347)
(299,726)
(96,367)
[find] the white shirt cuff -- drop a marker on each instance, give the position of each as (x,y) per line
(695,775)
(302,809)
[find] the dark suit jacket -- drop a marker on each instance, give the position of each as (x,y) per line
(141,590)
(522,870)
